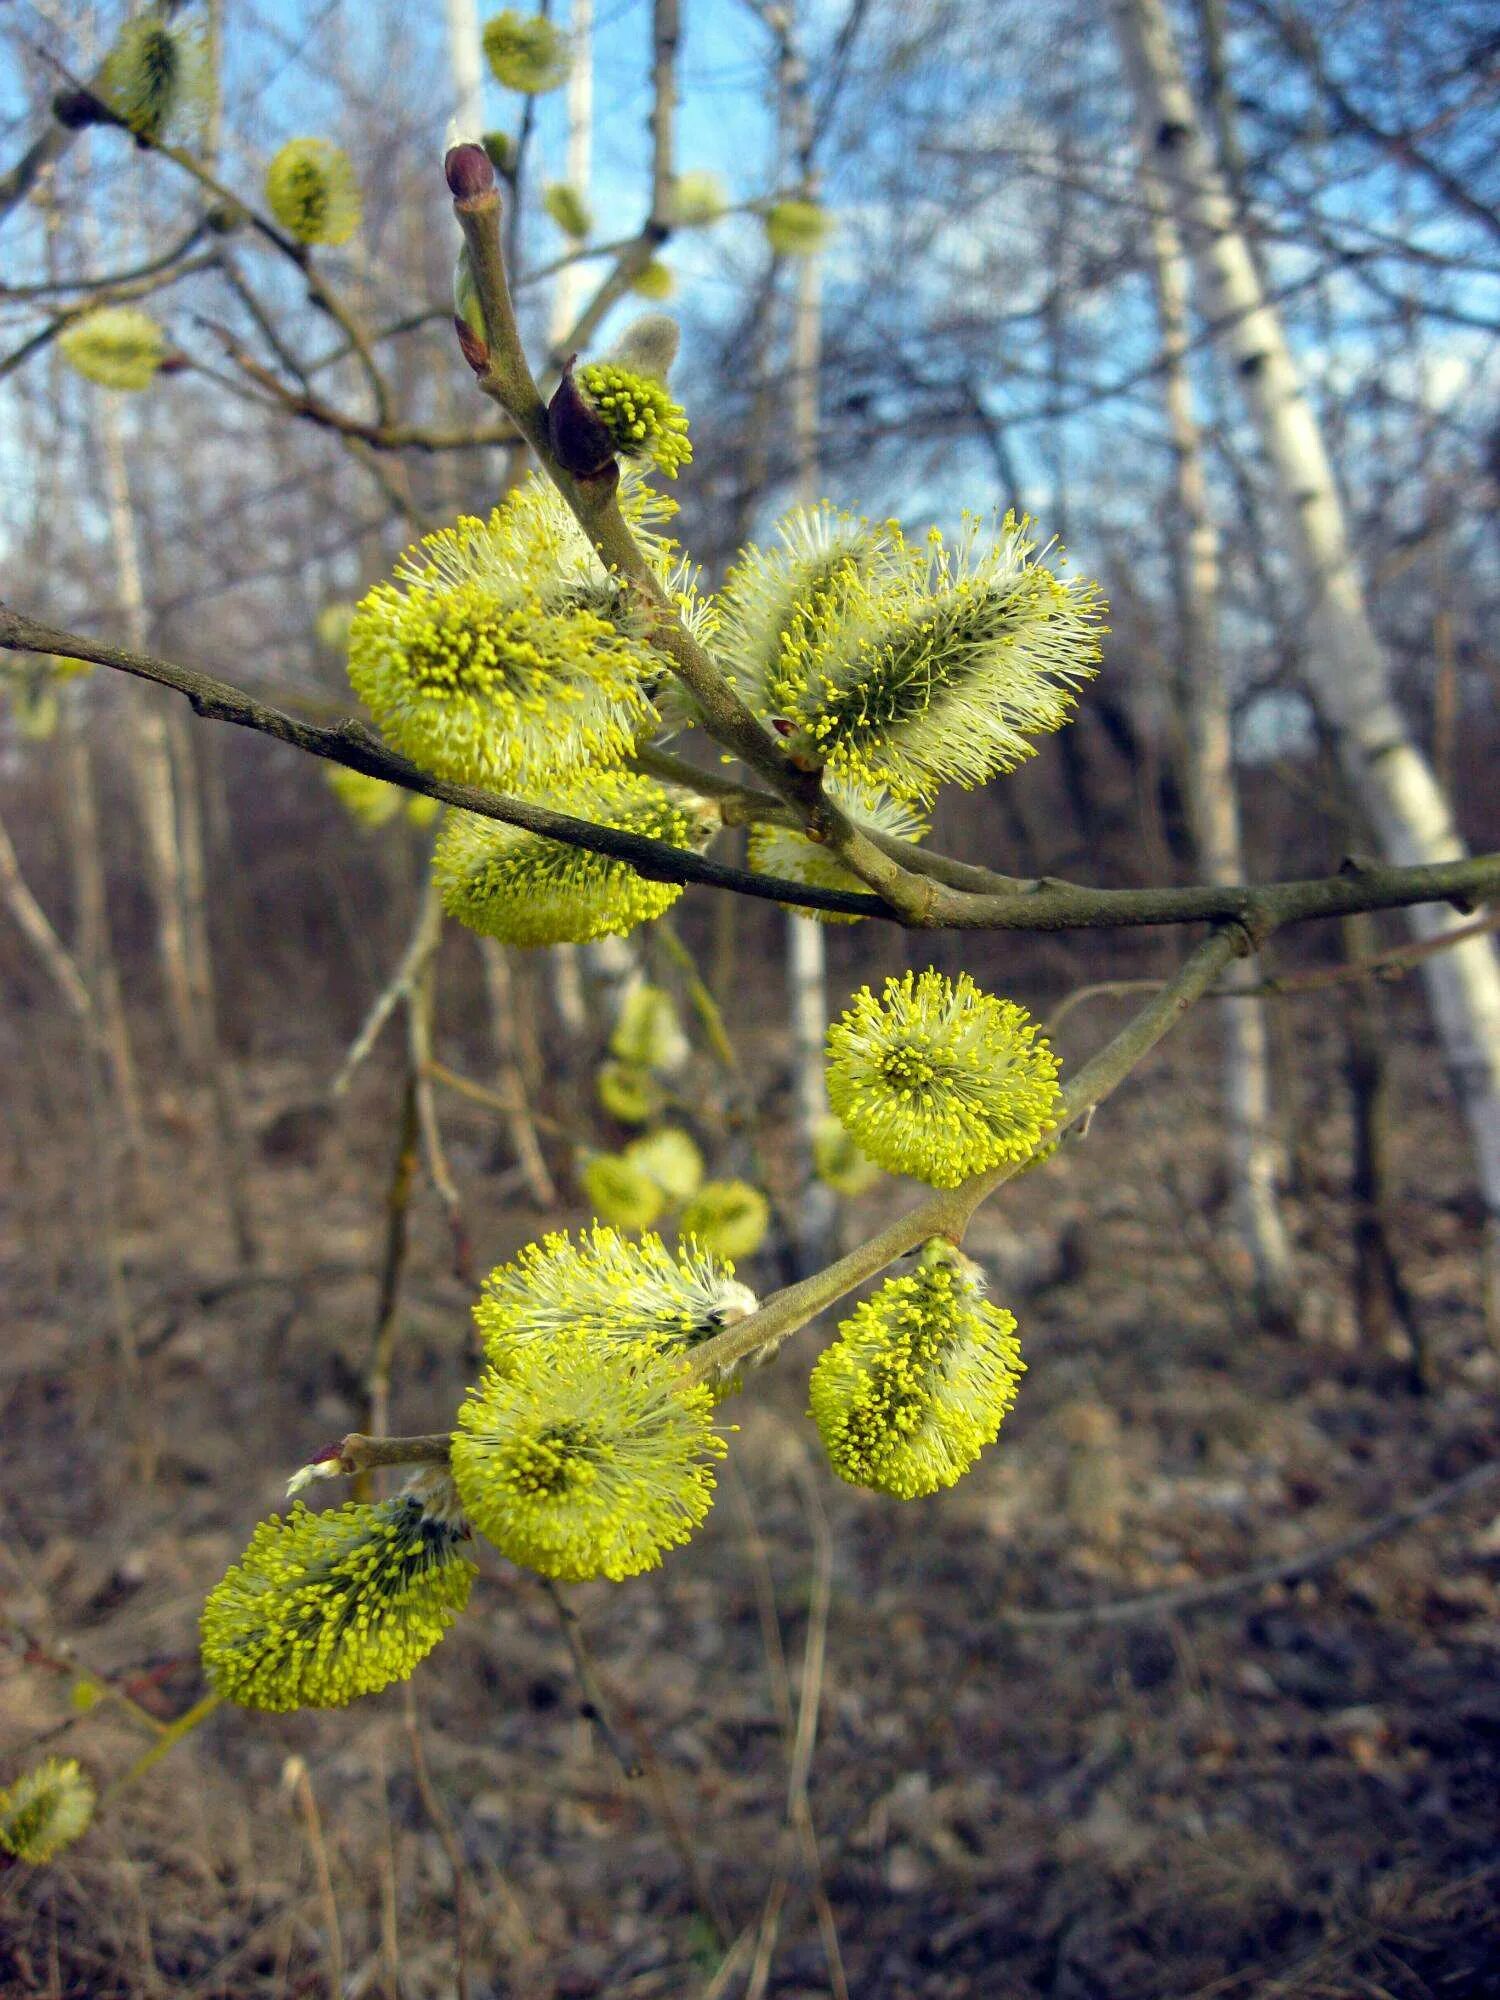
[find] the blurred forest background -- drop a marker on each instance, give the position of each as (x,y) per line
(865,1771)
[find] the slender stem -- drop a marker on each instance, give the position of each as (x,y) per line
(1043,905)
(166,1740)
(947,1212)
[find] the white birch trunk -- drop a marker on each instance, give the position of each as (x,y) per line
(466,64)
(149,750)
(567,300)
(807,967)
(1212,791)
(1347,672)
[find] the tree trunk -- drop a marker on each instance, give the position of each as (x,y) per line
(807,968)
(1381,1299)
(94,947)
(510,1074)
(162,765)
(1212,790)
(1346,668)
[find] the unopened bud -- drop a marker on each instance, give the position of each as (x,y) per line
(469,171)
(580,441)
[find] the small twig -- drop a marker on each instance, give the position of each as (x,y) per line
(1390,964)
(420,946)
(168,1737)
(392,1269)
(492,1100)
(948,1213)
(1195,1596)
(296,1776)
(420,1003)
(593,1705)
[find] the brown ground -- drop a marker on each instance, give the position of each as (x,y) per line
(1293,1793)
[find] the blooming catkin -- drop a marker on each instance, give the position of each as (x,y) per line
(637,411)
(919,1379)
(586,1456)
(628,1093)
(697,200)
(322,1608)
(117,347)
(620,1192)
(670,1158)
(312,191)
(158,76)
(45,1810)
(797,228)
(604,1284)
(526,52)
(484,662)
(568,210)
(888,663)
(525,889)
(938,1080)
(729,1218)
(649,1031)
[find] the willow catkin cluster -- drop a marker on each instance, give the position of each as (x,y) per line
(312,191)
(526,52)
(908,666)
(728,1218)
(605,1284)
(919,1379)
(939,1080)
(158,76)
(525,889)
(797,228)
(115,346)
(587,1456)
(45,1810)
(323,1608)
(503,652)
(637,410)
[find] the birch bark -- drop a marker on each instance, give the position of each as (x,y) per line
(1212,791)
(1347,671)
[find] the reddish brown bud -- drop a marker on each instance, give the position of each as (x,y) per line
(580,441)
(474,350)
(469,171)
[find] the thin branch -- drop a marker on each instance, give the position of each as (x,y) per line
(947,1213)
(1290,985)
(593,1706)
(1044,905)
(1194,1596)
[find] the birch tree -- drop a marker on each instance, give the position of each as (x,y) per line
(1347,672)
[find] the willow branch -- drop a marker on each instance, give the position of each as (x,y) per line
(318,290)
(947,1212)
(173,269)
(1045,905)
(1194,1596)
(507,379)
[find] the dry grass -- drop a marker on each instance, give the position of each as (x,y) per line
(1291,1794)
